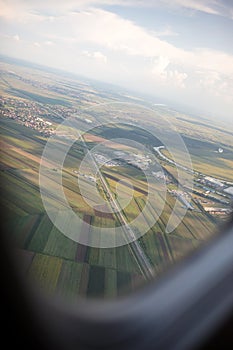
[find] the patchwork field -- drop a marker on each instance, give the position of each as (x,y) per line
(57,264)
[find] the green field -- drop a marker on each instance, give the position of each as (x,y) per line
(55,258)
(206,158)
(55,254)
(108,272)
(56,263)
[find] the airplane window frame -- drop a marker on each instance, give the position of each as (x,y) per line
(180,310)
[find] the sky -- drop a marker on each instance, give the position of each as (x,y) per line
(179,50)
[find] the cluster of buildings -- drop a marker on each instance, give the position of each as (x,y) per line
(86,176)
(33,115)
(139,161)
(160,175)
(217,193)
(229,191)
(218,211)
(212,182)
(65,112)
(104,160)
(213,186)
(183,198)
(26,113)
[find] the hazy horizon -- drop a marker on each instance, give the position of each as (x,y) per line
(181,53)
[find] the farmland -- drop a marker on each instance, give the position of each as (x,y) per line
(31,230)
(58,264)
(206,158)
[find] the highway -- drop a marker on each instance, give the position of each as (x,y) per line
(138,253)
(135,248)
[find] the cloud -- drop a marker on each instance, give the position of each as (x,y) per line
(110,31)
(212,60)
(160,65)
(99,56)
(113,32)
(212,7)
(96,55)
(81,37)
(207,6)
(215,85)
(19,11)
(168,76)
(104,30)
(25,9)
(16,37)
(49,43)
(178,78)
(166,32)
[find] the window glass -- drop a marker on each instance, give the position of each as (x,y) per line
(116,131)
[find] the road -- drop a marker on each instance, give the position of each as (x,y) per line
(135,248)
(138,253)
(157,149)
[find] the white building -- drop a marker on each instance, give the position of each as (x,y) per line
(229,190)
(88,121)
(214,181)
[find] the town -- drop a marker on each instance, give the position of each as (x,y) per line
(34,115)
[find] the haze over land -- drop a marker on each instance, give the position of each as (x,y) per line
(116,137)
(142,183)
(179,51)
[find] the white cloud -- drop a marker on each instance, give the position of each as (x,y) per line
(107,31)
(168,76)
(94,41)
(209,79)
(49,43)
(99,56)
(212,60)
(178,78)
(16,37)
(207,6)
(96,55)
(19,9)
(213,7)
(160,65)
(113,32)
(212,82)
(166,32)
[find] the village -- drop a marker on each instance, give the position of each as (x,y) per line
(34,115)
